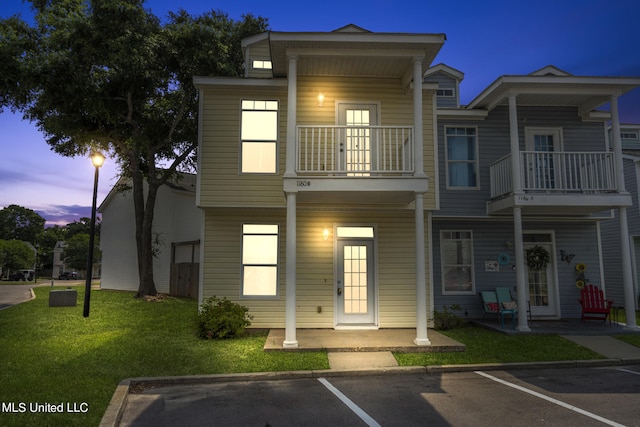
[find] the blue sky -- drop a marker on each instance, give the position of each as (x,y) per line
(484,40)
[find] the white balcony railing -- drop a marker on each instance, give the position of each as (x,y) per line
(556,172)
(355,150)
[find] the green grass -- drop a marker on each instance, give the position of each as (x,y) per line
(484,346)
(55,355)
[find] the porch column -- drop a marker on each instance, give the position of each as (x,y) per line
(290,340)
(421,276)
(625,246)
(418,158)
(292,94)
(521,283)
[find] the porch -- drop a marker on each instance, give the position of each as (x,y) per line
(558,327)
(361,341)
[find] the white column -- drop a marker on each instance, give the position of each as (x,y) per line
(418,159)
(521,284)
(515,146)
(292,78)
(421,276)
(290,340)
(625,246)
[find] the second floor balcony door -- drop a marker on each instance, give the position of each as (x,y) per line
(543,167)
(357,152)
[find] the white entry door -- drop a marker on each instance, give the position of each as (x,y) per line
(542,284)
(355,295)
(357,151)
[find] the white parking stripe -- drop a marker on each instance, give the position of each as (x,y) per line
(355,408)
(627,371)
(552,400)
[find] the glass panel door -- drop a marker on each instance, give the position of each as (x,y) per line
(355,297)
(542,283)
(357,147)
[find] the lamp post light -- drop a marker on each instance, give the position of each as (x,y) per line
(97,159)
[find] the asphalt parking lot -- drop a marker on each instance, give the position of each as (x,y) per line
(566,397)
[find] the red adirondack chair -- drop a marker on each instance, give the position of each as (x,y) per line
(594,306)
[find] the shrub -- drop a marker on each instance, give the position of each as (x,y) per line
(221,318)
(445,319)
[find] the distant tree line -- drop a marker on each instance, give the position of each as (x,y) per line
(25,242)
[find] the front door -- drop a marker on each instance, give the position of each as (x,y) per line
(357,152)
(355,296)
(542,284)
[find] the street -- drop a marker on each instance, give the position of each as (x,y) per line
(567,397)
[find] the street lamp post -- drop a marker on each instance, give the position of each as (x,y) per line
(97,159)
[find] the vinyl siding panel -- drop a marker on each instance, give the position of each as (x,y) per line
(222,184)
(493,141)
(394,248)
(445,82)
(259,51)
(489,237)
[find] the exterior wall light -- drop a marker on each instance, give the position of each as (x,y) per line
(320,99)
(325,234)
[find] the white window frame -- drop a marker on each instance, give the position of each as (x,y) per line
(261,64)
(445,236)
(251,230)
(475,161)
(258,105)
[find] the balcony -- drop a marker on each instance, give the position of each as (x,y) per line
(355,164)
(354,150)
(557,183)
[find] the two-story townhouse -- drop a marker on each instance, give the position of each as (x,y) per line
(316,181)
(526,175)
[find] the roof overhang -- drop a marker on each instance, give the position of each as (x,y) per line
(349,53)
(585,93)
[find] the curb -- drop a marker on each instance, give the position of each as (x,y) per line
(115,409)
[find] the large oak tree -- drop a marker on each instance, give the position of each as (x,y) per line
(109,75)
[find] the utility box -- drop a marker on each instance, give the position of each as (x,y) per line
(63,298)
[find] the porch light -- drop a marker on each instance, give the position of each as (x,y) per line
(325,234)
(320,99)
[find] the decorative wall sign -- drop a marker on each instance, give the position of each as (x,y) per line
(491,266)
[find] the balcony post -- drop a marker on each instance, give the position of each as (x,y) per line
(418,159)
(625,245)
(292,94)
(515,145)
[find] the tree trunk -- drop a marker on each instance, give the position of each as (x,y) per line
(144,233)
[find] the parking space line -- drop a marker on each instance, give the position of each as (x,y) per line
(629,371)
(355,408)
(550,399)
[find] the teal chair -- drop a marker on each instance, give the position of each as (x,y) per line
(507,305)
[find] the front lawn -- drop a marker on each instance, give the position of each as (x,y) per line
(54,355)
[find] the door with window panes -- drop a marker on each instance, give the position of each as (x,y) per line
(357,148)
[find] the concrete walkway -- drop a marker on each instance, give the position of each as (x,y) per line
(607,346)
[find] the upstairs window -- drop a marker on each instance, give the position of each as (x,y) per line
(259,135)
(448,93)
(261,64)
(461,153)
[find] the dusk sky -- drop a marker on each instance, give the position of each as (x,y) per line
(484,40)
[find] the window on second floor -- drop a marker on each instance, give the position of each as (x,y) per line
(259,136)
(261,64)
(445,92)
(461,154)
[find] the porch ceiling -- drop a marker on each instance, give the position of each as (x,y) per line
(353,54)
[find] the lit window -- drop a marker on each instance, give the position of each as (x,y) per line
(461,157)
(456,251)
(259,64)
(259,260)
(259,134)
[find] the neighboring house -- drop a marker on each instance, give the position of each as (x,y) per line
(315,174)
(336,195)
(629,137)
(58,259)
(526,165)
(176,229)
